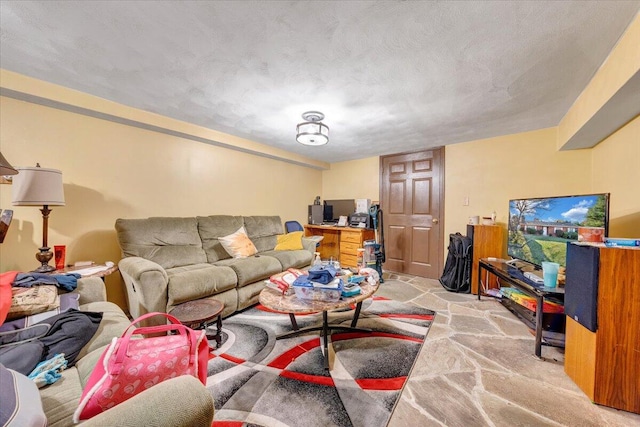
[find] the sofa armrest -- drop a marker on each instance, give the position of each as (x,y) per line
(310,243)
(181,401)
(91,289)
(146,283)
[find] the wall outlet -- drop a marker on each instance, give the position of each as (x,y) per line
(465,202)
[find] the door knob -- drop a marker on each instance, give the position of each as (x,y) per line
(435,220)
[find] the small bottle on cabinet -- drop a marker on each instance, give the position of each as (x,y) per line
(317,261)
(360,259)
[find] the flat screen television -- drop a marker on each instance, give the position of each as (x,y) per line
(541,228)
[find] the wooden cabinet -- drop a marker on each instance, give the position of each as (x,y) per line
(488,241)
(340,243)
(605,364)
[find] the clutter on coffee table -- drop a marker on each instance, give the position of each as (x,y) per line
(291,304)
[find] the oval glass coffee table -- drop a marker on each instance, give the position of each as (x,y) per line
(292,305)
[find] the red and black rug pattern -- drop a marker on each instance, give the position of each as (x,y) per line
(257,380)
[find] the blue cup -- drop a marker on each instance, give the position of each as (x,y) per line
(550,274)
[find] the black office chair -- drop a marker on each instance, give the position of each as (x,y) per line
(291,226)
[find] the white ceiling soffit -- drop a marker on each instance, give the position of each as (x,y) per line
(389,76)
(620,109)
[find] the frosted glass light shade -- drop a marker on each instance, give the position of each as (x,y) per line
(37,187)
(312,133)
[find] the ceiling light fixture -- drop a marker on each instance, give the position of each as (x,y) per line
(312,131)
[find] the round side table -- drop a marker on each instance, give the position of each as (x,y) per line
(197,315)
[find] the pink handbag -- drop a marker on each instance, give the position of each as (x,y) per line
(130,366)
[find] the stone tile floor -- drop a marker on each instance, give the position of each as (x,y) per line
(477,368)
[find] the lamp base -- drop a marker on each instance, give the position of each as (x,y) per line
(44,256)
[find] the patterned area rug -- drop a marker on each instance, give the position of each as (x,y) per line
(257,380)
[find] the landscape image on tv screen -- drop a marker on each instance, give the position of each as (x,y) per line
(540,228)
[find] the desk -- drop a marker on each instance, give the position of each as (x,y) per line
(340,243)
(500,269)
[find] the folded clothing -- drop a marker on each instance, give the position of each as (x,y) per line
(67,302)
(67,333)
(68,282)
(322,274)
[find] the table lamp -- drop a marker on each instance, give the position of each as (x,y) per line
(39,187)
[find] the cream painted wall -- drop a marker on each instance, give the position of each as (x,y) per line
(492,171)
(356,179)
(615,169)
(112,170)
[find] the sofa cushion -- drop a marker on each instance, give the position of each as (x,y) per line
(288,259)
(86,365)
(198,281)
(60,399)
(170,242)
(211,228)
(262,231)
(252,269)
(238,244)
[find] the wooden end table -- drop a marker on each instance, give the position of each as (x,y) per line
(197,315)
(293,305)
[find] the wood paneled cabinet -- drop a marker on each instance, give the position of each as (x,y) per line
(488,241)
(340,243)
(605,364)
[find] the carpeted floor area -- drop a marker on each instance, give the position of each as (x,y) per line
(257,380)
(477,368)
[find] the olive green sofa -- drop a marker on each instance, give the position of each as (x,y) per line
(167,261)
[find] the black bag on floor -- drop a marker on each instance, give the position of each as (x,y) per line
(456,276)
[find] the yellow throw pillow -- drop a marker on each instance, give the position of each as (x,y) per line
(290,241)
(238,244)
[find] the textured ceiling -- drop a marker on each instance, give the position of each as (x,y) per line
(389,76)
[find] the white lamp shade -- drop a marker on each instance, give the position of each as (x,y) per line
(38,187)
(5,167)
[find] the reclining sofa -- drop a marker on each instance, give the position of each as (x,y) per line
(168,261)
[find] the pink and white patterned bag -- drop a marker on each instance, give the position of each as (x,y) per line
(130,366)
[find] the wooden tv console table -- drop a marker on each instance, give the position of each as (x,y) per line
(340,243)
